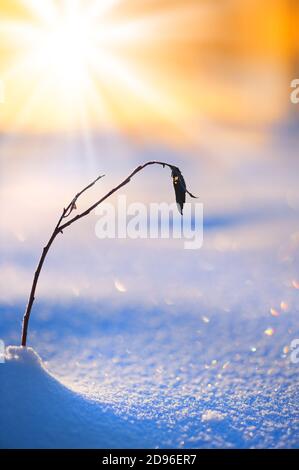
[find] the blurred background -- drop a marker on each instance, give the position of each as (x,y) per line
(99,87)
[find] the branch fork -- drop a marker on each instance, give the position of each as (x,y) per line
(180,192)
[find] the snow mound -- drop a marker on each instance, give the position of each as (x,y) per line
(37,411)
(22,355)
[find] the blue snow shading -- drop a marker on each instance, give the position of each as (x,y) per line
(195,352)
(37,411)
(169,378)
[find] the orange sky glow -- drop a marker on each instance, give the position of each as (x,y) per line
(140,66)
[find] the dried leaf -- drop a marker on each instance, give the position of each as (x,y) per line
(179,188)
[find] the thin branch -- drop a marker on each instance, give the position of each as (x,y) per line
(65,213)
(61,226)
(112,191)
(72,205)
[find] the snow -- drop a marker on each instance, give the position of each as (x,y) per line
(159,377)
(143,343)
(212,415)
(37,411)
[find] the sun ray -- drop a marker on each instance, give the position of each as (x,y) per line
(186,22)
(100,8)
(69,50)
(22,114)
(17,33)
(87,137)
(122,74)
(98,106)
(44,10)
(120,68)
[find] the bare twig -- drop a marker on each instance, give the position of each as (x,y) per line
(65,213)
(123,183)
(60,226)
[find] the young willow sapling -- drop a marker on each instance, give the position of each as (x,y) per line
(180,194)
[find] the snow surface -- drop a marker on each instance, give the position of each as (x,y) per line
(148,344)
(37,411)
(161,377)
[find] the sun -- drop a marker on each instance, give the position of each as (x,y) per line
(68,67)
(67,48)
(60,57)
(64,55)
(91,65)
(142,67)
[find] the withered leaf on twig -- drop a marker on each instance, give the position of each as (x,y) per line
(179,188)
(180,194)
